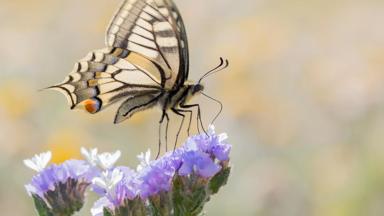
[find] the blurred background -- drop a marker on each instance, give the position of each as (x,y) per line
(303,97)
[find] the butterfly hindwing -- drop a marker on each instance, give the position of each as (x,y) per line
(132,105)
(106,76)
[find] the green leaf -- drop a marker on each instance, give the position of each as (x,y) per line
(160,205)
(197,200)
(137,207)
(219,180)
(177,196)
(122,211)
(134,207)
(189,195)
(107,212)
(41,207)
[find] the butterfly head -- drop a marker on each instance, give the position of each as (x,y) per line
(197,88)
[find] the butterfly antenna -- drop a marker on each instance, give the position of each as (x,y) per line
(217,101)
(218,68)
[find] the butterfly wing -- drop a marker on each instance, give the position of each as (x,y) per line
(111,75)
(155,30)
(147,54)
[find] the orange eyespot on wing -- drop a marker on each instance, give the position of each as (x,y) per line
(92,105)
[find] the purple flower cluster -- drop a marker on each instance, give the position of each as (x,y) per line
(58,189)
(201,155)
(157,175)
(50,177)
(62,186)
(201,152)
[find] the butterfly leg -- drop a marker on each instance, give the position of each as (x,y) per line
(159,147)
(199,120)
(164,116)
(190,113)
(166,132)
(179,113)
(184,106)
(190,120)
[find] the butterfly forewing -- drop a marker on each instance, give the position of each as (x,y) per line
(155,30)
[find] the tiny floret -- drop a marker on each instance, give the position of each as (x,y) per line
(38,162)
(108,179)
(90,156)
(199,163)
(99,206)
(107,160)
(144,159)
(104,160)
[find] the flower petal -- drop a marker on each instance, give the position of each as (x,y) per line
(107,160)
(38,162)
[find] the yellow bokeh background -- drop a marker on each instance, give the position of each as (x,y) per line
(303,99)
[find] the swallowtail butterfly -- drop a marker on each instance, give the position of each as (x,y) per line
(145,64)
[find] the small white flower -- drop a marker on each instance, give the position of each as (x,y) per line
(104,160)
(145,160)
(90,156)
(38,162)
(31,189)
(107,160)
(211,129)
(101,182)
(99,205)
(116,177)
(108,179)
(222,137)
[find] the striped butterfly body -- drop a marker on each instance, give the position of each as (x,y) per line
(145,64)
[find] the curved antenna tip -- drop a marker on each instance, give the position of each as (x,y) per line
(216,69)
